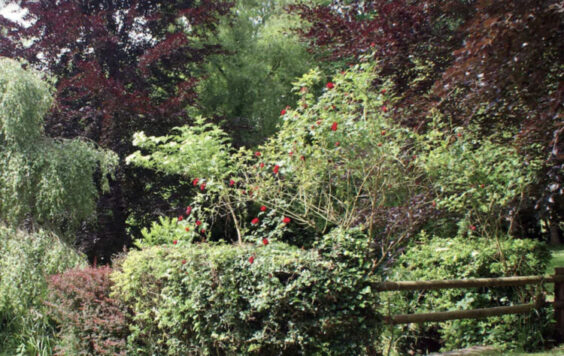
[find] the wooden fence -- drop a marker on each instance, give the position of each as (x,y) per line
(557,279)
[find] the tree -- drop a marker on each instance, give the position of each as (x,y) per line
(246,87)
(43,181)
(121,66)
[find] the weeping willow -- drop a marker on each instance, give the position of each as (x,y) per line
(43,181)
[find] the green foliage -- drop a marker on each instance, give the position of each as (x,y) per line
(213,299)
(476,178)
(246,86)
(48,181)
(462,258)
(338,160)
(89,322)
(26,260)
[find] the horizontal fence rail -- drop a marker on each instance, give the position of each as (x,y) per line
(468,283)
(557,279)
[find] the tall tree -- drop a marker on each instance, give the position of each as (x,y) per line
(121,66)
(246,87)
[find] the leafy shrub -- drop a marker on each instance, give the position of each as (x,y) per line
(338,160)
(251,298)
(88,320)
(460,258)
(26,259)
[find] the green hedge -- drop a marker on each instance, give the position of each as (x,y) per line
(211,299)
(459,258)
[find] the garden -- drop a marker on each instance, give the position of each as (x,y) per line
(247,177)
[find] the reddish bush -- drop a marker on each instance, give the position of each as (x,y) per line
(89,321)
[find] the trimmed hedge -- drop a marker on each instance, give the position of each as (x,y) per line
(250,299)
(462,258)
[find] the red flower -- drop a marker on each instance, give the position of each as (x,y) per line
(434,204)
(337,144)
(174,242)
(482,186)
(383,132)
(251,259)
(187,228)
(459,134)
(180,218)
(290,153)
(183,262)
(195,182)
(231,182)
(203,231)
(283,112)
(286,220)
(379,144)
(372,44)
(203,186)
(275,169)
(330,85)
(302,158)
(198,223)
(472,227)
(261,165)
(265,241)
(334,126)
(318,122)
(384,108)
(383,91)
(188,210)
(255,221)
(257,153)
(263,208)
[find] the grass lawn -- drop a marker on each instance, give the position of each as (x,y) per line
(557,258)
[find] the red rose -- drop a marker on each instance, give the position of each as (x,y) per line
(187,228)
(337,144)
(334,126)
(255,221)
(302,158)
(261,165)
(203,231)
(263,208)
(195,182)
(183,262)
(231,182)
(251,259)
(188,210)
(379,144)
(383,91)
(318,122)
(203,186)
(459,134)
(330,85)
(384,108)
(283,112)
(276,169)
(198,223)
(286,220)
(265,241)
(174,242)
(257,153)
(383,132)
(472,227)
(290,153)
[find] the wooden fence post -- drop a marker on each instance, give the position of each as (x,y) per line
(559,303)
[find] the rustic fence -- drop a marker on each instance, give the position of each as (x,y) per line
(557,279)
